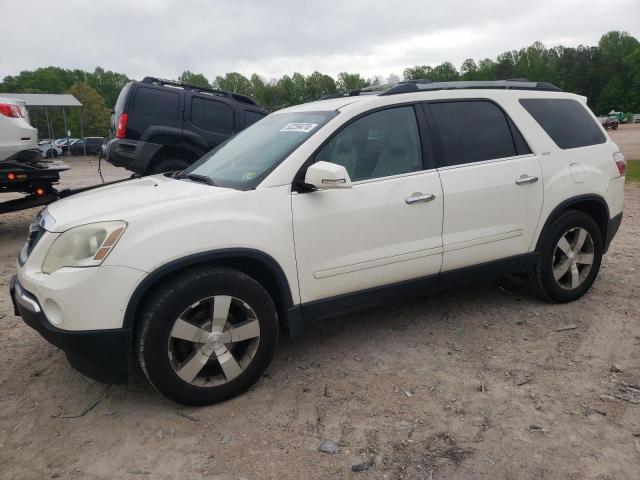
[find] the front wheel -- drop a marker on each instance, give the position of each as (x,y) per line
(569,258)
(207,336)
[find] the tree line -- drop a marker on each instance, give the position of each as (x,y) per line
(608,74)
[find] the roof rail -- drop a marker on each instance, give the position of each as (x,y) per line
(370,90)
(198,88)
(427,85)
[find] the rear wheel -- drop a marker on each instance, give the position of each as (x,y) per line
(51,153)
(569,258)
(207,336)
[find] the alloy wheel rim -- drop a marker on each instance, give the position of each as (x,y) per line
(573,258)
(213,341)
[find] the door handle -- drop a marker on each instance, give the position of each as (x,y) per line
(419,197)
(525,179)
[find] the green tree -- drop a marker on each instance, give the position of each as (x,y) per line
(318,85)
(486,69)
(469,70)
(445,72)
(350,81)
(194,79)
(108,84)
(95,114)
(234,82)
(417,72)
(616,72)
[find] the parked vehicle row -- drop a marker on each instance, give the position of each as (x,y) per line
(312,211)
(71,146)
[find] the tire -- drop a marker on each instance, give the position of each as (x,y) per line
(168,165)
(615,127)
(553,261)
(169,361)
(51,153)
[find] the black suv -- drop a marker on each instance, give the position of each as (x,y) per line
(162,126)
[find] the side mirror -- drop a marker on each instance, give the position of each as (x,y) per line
(326,175)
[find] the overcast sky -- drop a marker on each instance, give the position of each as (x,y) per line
(165,37)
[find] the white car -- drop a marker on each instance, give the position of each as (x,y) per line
(49,149)
(16,133)
(315,210)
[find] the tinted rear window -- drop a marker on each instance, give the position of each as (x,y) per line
(156,103)
(566,121)
(473,131)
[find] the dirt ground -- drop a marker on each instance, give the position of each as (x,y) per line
(627,137)
(485,381)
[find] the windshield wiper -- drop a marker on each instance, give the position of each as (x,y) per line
(196,178)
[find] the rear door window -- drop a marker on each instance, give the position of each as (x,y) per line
(160,104)
(475,131)
(566,121)
(212,115)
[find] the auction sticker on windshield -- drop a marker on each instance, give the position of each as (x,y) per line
(299,127)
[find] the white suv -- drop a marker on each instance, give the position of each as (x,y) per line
(314,210)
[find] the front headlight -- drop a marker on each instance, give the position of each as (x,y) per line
(83,246)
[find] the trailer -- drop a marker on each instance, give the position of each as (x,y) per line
(36,180)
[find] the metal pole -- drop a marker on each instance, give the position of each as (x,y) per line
(84,143)
(66,129)
(49,133)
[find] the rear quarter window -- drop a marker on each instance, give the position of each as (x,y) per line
(566,121)
(122,99)
(251,117)
(156,103)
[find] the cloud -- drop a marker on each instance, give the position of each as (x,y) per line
(166,37)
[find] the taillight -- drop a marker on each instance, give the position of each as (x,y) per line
(10,110)
(621,163)
(121,128)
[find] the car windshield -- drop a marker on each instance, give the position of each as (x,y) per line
(243,161)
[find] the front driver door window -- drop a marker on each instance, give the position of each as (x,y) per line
(381,144)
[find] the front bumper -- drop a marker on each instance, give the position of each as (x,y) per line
(99,354)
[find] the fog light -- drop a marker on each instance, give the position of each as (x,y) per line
(52,311)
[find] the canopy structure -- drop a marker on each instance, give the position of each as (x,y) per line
(50,100)
(45,99)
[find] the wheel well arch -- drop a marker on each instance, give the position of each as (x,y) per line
(593,205)
(258,265)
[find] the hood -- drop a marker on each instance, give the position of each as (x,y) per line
(131,198)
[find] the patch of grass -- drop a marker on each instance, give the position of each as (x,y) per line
(633,171)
